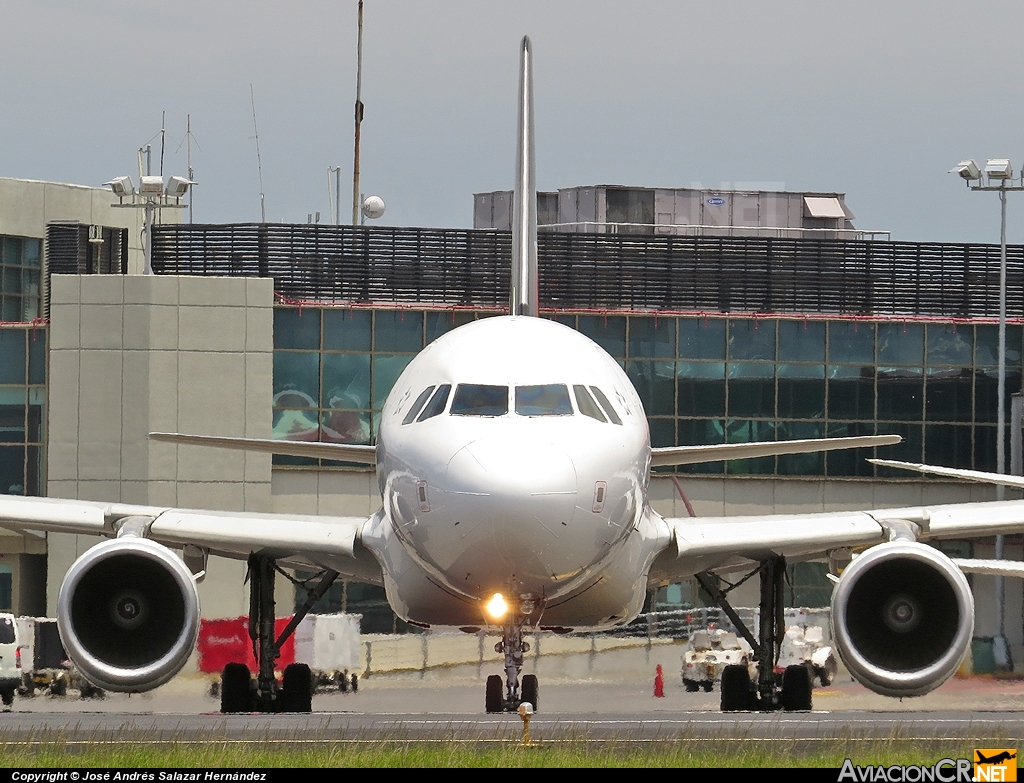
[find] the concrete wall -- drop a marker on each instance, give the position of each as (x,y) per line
(131,355)
(26,206)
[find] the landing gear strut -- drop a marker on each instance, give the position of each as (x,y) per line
(514,648)
(238,693)
(738,692)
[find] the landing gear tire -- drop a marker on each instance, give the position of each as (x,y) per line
(297,688)
(494,700)
(735,688)
(235,688)
(530,689)
(691,686)
(796,689)
(7,695)
(708,686)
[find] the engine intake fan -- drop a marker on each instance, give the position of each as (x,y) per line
(902,618)
(128,614)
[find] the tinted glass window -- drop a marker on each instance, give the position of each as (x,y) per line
(551,399)
(477,399)
(6,631)
(612,415)
(586,404)
(417,405)
(436,405)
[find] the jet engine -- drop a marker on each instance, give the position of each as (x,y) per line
(902,618)
(128,614)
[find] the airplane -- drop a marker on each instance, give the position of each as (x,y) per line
(999,758)
(514,465)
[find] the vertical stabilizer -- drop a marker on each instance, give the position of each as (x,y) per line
(524,296)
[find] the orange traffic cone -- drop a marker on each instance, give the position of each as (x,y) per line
(659,683)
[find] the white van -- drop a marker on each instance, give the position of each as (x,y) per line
(10,659)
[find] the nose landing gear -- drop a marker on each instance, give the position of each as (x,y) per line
(514,648)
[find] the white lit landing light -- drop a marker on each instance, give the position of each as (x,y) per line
(497,608)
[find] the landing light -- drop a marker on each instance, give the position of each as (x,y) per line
(497,607)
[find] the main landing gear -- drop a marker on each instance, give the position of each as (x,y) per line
(739,691)
(239,692)
(508,699)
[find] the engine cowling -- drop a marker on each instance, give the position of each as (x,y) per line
(902,618)
(128,614)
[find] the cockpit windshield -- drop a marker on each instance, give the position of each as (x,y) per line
(550,399)
(476,399)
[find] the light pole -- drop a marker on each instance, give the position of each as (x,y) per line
(999,174)
(153,194)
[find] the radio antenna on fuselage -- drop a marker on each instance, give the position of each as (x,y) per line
(524,298)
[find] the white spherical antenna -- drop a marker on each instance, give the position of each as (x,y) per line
(373,207)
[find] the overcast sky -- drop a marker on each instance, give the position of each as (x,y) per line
(877,99)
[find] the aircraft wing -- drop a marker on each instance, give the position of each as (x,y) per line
(343,452)
(292,539)
(689,455)
(724,543)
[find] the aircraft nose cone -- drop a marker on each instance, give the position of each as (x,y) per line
(518,499)
(511,470)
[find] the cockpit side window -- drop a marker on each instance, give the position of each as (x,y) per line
(477,399)
(606,404)
(415,409)
(436,405)
(587,405)
(549,399)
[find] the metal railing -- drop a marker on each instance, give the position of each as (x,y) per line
(603,272)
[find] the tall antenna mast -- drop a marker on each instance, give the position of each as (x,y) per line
(188,159)
(359,118)
(259,162)
(163,136)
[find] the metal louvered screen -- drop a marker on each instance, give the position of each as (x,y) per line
(380,265)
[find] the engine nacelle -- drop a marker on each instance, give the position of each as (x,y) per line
(128,614)
(902,618)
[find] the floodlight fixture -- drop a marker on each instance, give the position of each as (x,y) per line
(968,169)
(121,186)
(178,186)
(151,186)
(999,169)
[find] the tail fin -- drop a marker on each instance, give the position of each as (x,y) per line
(523,292)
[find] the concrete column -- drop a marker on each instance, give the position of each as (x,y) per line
(130,355)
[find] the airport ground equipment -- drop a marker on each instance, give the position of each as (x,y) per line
(707,655)
(10,659)
(45,664)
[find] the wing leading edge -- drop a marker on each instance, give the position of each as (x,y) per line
(689,455)
(706,544)
(293,539)
(343,452)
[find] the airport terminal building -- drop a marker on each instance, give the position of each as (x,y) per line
(730,333)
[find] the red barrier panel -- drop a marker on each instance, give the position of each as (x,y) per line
(226,640)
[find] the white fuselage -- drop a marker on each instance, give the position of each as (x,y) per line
(537,501)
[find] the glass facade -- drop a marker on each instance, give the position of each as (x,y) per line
(22,410)
(334,368)
(20,267)
(702,381)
